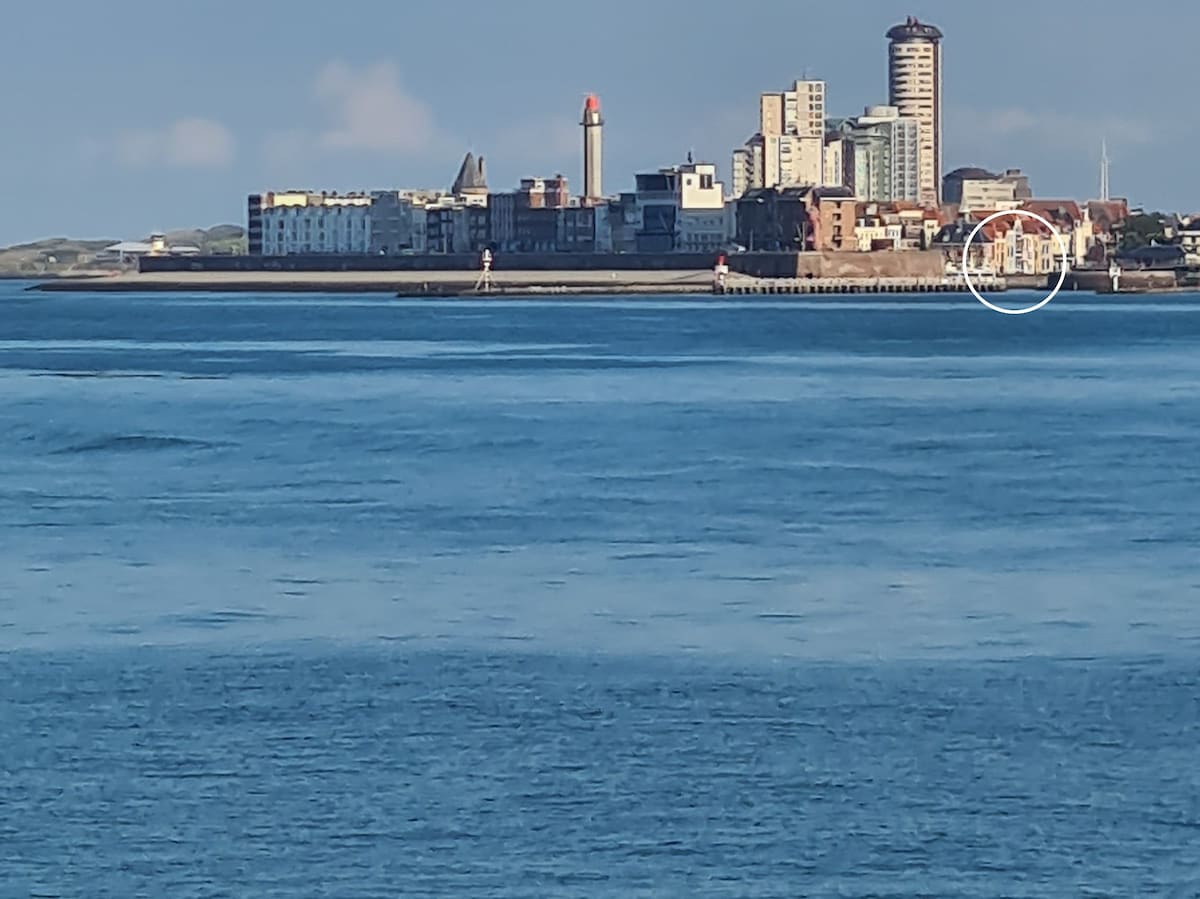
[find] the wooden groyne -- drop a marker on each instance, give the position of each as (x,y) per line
(856,285)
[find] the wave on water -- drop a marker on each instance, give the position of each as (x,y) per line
(118,443)
(97,374)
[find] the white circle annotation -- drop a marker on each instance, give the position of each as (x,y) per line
(966,273)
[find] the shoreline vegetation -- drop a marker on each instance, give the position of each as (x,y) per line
(67,257)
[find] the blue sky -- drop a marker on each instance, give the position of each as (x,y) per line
(122,118)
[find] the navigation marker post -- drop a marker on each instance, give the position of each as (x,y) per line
(485,272)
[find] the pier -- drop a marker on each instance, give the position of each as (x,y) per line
(742,285)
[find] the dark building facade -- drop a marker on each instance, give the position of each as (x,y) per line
(576,229)
(456,229)
(527,220)
(770,219)
(254,225)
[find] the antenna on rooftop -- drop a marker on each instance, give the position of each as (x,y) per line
(1104,170)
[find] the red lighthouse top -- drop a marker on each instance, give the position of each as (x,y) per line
(592,104)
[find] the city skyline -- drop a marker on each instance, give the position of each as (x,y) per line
(170,136)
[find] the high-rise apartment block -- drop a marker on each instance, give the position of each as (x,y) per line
(915,89)
(789,147)
(885,162)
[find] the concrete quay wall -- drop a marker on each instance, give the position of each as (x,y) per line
(435,262)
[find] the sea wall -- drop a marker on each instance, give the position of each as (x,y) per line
(875,264)
(1101,282)
(435,262)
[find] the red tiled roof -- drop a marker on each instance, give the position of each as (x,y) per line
(997,228)
(1054,209)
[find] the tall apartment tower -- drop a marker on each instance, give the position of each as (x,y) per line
(915,89)
(593,142)
(792,124)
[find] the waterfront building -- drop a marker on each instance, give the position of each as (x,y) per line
(773,219)
(797,219)
(293,222)
(577,228)
(526,220)
(1017,245)
(951,240)
(677,209)
(132,250)
(915,89)
(895,226)
(834,213)
(1072,221)
(593,150)
(456,228)
(398,220)
(1189,240)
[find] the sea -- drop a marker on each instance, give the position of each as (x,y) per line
(351,596)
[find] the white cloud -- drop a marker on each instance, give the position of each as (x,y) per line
(370,110)
(191,142)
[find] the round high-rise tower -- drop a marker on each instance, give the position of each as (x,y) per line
(915,88)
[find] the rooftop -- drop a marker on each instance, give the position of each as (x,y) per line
(914,30)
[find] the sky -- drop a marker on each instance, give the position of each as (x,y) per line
(122,117)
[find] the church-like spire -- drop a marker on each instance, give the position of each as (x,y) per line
(471,179)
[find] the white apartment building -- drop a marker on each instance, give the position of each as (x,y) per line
(304,222)
(379,223)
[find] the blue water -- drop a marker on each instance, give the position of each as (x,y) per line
(359,597)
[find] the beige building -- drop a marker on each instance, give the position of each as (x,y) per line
(834,174)
(799,111)
(790,160)
(915,89)
(987,194)
(789,147)
(747,169)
